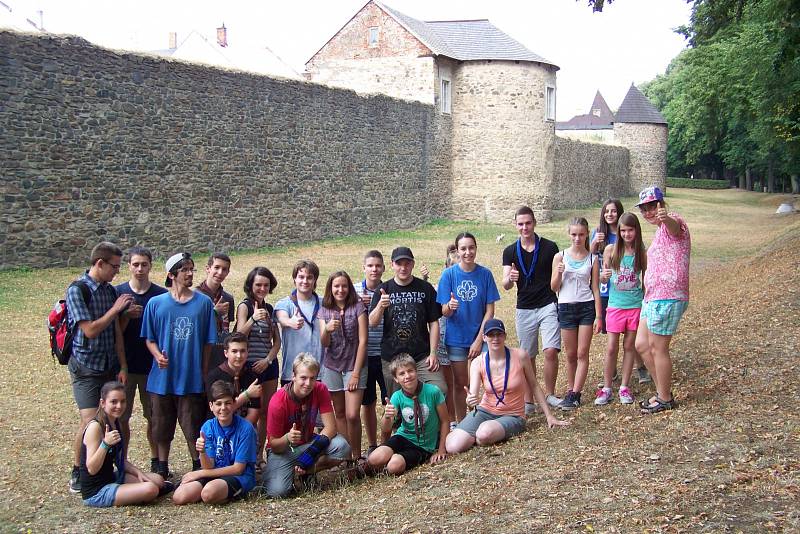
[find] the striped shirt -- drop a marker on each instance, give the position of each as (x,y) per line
(375,332)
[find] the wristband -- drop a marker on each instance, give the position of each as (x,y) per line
(105,445)
(123,369)
(246,395)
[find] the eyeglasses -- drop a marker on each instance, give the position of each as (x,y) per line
(650,206)
(114,266)
(187,271)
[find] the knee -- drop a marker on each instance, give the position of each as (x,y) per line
(551,355)
(180,497)
(151,492)
(485,436)
(396,466)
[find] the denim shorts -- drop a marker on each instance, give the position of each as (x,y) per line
(663,316)
(457,354)
(571,315)
(103,498)
(337,381)
(512,424)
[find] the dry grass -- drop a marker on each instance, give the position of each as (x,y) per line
(726,460)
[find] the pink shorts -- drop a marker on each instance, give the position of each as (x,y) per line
(619,321)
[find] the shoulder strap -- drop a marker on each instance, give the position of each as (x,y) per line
(86,293)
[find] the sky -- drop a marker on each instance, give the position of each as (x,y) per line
(631,41)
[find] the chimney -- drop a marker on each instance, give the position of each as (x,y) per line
(222,36)
(173,40)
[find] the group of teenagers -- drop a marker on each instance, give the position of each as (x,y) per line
(438,356)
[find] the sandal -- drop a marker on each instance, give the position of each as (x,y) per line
(658,406)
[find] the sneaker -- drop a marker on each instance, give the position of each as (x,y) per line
(553,401)
(75,480)
(166,489)
(531,408)
(163,470)
(625,396)
(603,396)
(453,425)
(644,375)
(571,401)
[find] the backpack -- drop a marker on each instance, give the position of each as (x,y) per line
(61,335)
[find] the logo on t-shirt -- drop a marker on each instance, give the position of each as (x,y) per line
(408,414)
(404,320)
(467,291)
(183,328)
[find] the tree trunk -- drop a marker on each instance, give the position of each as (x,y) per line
(795,184)
(771,175)
(730,175)
(742,182)
(748,177)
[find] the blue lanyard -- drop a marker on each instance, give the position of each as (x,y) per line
(223,452)
(527,272)
(505,379)
(303,315)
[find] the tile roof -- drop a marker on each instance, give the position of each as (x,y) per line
(636,107)
(601,120)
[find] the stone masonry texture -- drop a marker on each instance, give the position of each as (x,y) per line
(648,153)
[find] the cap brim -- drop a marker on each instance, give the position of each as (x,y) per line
(497,329)
(403,257)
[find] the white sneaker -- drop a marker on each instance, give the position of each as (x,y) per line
(625,396)
(452,426)
(553,401)
(603,396)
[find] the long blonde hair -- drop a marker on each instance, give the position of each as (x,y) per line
(639,251)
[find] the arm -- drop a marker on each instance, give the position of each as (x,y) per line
(433,339)
(558,270)
(160,357)
(536,389)
(95,454)
(475,349)
(119,344)
(673,226)
(361,352)
(243,324)
(324,334)
(444,429)
(605,273)
(598,306)
(597,238)
(92,329)
(243,398)
(381,306)
(328,425)
(510,276)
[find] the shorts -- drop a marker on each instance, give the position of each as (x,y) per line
(337,380)
(621,320)
(603,314)
(167,410)
(571,315)
(531,322)
(457,354)
(86,384)
(136,382)
(278,476)
(512,424)
(663,316)
(423,374)
(104,498)
(235,490)
(411,453)
(270,373)
(374,378)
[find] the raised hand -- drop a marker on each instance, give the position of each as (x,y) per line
(453,302)
(254,389)
(112,437)
(259,314)
(122,303)
(332,325)
(200,444)
(513,274)
(389,411)
(472,400)
(294,435)
(384,302)
(297,321)
(561,267)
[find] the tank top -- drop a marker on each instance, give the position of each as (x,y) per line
(576,281)
(625,287)
(259,340)
(513,397)
(92,484)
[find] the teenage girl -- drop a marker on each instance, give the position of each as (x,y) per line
(666,294)
(606,234)
(344,334)
(254,319)
(467,293)
(624,263)
(576,280)
(451,258)
(106,477)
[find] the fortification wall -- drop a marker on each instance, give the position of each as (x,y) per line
(648,153)
(585,173)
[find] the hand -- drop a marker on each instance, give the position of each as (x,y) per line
(598,326)
(389,411)
(191,476)
(661,215)
(384,302)
(366,300)
(453,302)
(135,311)
(352,384)
(552,421)
(297,321)
(475,349)
(561,265)
(162,361)
(122,303)
(424,271)
(332,325)
(254,390)
(112,437)
(599,237)
(200,444)
(438,457)
(261,365)
(122,376)
(513,274)
(294,435)
(222,308)
(433,363)
(259,314)
(605,275)
(472,400)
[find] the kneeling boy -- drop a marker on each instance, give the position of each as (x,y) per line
(227,448)
(423,422)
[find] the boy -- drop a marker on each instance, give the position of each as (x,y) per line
(423,422)
(291,418)
(373,271)
(227,450)
(243,380)
(217,270)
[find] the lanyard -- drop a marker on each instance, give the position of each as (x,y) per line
(528,271)
(505,379)
(223,452)
(300,310)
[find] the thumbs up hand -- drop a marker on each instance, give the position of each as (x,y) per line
(297,321)
(513,274)
(389,412)
(384,302)
(200,444)
(254,389)
(472,400)
(112,437)
(295,436)
(332,325)
(453,302)
(561,265)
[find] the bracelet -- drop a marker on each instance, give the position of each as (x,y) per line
(105,445)
(123,369)
(246,395)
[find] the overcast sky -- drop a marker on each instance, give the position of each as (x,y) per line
(630,41)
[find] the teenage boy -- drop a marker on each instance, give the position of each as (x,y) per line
(217,270)
(297,315)
(410,314)
(528,263)
(291,417)
(373,271)
(424,422)
(178,327)
(236,371)
(98,353)
(140,261)
(227,450)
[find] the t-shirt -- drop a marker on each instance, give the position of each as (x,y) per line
(626,287)
(180,330)
(340,354)
(223,323)
(232,444)
(474,291)
(246,377)
(259,340)
(139,358)
(375,332)
(667,275)
(405,321)
(429,398)
(609,240)
(283,412)
(307,339)
(535,292)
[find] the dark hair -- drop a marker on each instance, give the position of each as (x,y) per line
(107,388)
(235,337)
(139,251)
(309,266)
(251,278)
(218,256)
(450,250)
(219,390)
(524,210)
(104,250)
(373,254)
(177,267)
(639,250)
(603,226)
(467,235)
(329,302)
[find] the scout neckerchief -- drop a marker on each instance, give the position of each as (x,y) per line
(418,422)
(310,323)
(500,398)
(527,272)
(301,414)
(216,298)
(237,385)
(223,453)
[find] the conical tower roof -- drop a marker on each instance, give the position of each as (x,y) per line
(636,107)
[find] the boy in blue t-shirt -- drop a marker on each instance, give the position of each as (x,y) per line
(423,422)
(227,449)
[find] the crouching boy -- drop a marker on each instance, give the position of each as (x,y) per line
(227,448)
(291,418)
(423,422)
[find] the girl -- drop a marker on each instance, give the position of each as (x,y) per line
(467,294)
(666,294)
(254,319)
(575,279)
(343,332)
(102,451)
(606,234)
(624,262)
(451,258)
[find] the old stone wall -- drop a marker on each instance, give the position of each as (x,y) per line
(586,173)
(648,153)
(97,144)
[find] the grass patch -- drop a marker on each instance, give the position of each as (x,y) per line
(698,183)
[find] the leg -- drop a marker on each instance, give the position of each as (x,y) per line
(352,400)
(570,342)
(388,379)
(86,386)
(144,399)
(338,410)
(489,432)
(431,377)
(215,492)
(191,416)
(610,362)
(447,371)
(551,341)
(370,420)
(188,493)
(659,348)
(135,492)
(460,381)
(368,416)
(459,441)
(337,452)
(164,418)
(629,354)
(268,389)
(125,420)
(396,465)
(582,368)
(279,473)
(380,457)
(84,415)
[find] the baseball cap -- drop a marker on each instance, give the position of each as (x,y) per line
(402,253)
(172,262)
(494,324)
(651,194)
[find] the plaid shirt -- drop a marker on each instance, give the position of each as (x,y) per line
(99,353)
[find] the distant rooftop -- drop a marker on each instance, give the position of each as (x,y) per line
(599,117)
(636,107)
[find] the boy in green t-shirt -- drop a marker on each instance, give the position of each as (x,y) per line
(423,422)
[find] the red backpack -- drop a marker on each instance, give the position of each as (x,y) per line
(58,325)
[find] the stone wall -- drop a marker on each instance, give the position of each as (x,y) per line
(648,153)
(587,173)
(98,145)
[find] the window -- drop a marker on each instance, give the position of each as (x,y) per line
(373,36)
(444,98)
(550,103)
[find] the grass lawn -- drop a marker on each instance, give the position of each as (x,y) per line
(726,460)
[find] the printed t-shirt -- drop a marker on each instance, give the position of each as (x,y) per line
(307,339)
(474,291)
(535,292)
(139,358)
(429,398)
(667,275)
(283,412)
(232,444)
(340,354)
(626,289)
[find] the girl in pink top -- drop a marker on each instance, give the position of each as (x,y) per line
(506,375)
(666,294)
